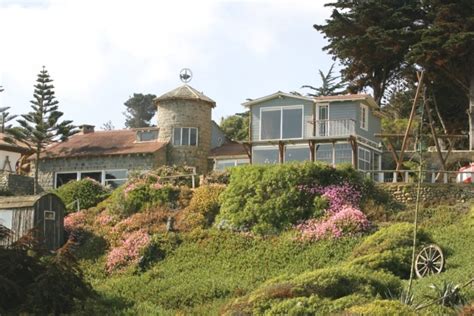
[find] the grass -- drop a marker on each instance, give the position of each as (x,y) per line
(210,268)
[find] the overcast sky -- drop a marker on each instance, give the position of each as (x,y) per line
(99,52)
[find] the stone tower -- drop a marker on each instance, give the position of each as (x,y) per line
(184,118)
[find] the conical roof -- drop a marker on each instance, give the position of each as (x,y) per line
(186,92)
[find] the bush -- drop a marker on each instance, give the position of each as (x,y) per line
(390,249)
(203,207)
(87,191)
(382,308)
(268,199)
(330,283)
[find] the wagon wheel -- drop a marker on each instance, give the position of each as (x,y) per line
(429,261)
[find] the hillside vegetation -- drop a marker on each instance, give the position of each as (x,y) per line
(213,263)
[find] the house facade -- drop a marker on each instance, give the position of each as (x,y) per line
(286,127)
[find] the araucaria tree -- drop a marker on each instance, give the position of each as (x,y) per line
(330,85)
(42,126)
(140,110)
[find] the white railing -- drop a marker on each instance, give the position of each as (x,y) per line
(428,176)
(332,128)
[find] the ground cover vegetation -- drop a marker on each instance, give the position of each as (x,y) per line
(204,251)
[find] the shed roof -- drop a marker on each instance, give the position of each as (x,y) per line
(25,201)
(102,143)
(185,92)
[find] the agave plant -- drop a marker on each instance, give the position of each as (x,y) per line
(447,294)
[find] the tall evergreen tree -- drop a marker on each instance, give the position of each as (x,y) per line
(41,126)
(371,39)
(5,116)
(140,110)
(330,85)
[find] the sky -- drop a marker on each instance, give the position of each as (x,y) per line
(100,52)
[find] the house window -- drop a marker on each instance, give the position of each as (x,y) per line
(63,178)
(227,163)
(265,155)
(296,153)
(147,136)
(343,153)
(96,175)
(185,136)
(364,116)
(364,159)
(115,178)
(322,125)
(324,153)
(281,123)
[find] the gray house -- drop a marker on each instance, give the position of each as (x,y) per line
(334,129)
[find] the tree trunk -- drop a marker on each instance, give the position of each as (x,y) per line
(37,161)
(471,112)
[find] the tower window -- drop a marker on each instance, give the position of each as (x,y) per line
(185,136)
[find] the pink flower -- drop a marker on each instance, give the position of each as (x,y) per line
(129,251)
(74,221)
(338,195)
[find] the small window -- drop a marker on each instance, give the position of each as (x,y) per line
(185,136)
(147,136)
(364,117)
(50,216)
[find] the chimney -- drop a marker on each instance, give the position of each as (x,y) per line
(86,129)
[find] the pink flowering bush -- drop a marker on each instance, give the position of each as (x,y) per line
(337,195)
(349,221)
(75,221)
(129,251)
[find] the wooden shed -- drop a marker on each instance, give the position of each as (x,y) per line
(42,214)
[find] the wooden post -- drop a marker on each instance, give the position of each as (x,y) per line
(311,148)
(433,131)
(410,120)
(355,153)
(281,147)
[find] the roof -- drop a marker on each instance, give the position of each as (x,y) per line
(14,147)
(185,92)
(348,97)
(229,149)
(102,143)
(275,95)
(9,202)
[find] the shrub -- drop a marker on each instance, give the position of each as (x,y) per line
(390,248)
(346,222)
(129,251)
(337,195)
(159,247)
(203,207)
(268,199)
(382,308)
(87,191)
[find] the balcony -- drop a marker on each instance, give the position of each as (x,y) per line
(334,128)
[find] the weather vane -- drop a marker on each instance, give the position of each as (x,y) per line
(185,75)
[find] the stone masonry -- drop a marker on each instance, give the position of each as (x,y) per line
(186,113)
(132,162)
(16,184)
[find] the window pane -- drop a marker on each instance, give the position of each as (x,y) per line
(146,136)
(323,112)
(185,137)
(242,162)
(116,174)
(296,153)
(270,124)
(115,183)
(292,123)
(193,141)
(324,153)
(265,156)
(177,136)
(224,164)
(63,178)
(364,159)
(343,153)
(97,176)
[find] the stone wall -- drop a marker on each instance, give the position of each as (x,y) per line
(16,184)
(186,113)
(136,162)
(430,193)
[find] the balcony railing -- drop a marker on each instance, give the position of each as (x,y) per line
(334,128)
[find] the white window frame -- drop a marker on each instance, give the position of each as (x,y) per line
(235,161)
(281,108)
(366,161)
(79,173)
(364,117)
(318,119)
(189,137)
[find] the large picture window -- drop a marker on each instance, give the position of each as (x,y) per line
(281,123)
(296,153)
(324,153)
(227,163)
(266,155)
(343,153)
(113,178)
(185,136)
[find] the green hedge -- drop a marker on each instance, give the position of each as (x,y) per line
(267,199)
(87,191)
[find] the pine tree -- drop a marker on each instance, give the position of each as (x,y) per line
(140,110)
(42,125)
(330,85)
